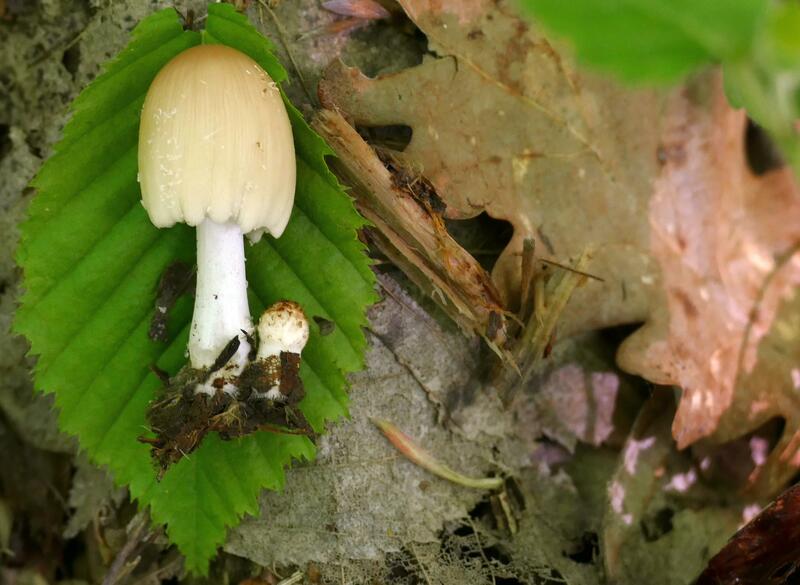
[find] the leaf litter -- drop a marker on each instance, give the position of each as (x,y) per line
(726,240)
(587,468)
(649,191)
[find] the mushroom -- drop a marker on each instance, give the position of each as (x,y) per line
(216,152)
(283,328)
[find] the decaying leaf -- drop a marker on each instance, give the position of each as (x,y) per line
(502,124)
(573,404)
(649,528)
(685,237)
(725,240)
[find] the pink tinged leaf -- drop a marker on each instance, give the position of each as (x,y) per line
(723,238)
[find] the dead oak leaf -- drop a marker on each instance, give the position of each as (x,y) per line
(502,124)
(725,240)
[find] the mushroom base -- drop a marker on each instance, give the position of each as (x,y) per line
(268,393)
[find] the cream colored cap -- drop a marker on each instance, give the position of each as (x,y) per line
(215,142)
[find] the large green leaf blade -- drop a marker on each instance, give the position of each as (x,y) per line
(92,261)
(652,40)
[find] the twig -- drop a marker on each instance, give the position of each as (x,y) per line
(550,296)
(571,269)
(536,336)
(513,527)
(539,302)
(63,48)
(140,531)
(526,302)
(171,564)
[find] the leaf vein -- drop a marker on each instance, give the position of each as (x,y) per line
(108,298)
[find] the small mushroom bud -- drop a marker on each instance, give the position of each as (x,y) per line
(216,152)
(283,328)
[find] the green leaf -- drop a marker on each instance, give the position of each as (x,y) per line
(92,260)
(652,40)
(782,35)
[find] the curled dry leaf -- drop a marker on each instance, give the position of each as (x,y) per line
(725,241)
(357,13)
(656,186)
(361,9)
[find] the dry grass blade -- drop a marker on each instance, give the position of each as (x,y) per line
(544,302)
(419,456)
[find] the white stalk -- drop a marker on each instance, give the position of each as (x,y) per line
(221,311)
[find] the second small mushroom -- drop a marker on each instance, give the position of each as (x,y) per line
(216,152)
(283,328)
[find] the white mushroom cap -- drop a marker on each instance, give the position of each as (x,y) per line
(282,327)
(215,142)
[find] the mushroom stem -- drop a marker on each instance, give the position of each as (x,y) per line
(221,311)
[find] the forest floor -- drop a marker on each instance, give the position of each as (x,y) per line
(574,442)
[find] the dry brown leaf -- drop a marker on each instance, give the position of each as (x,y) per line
(503,124)
(657,187)
(718,232)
